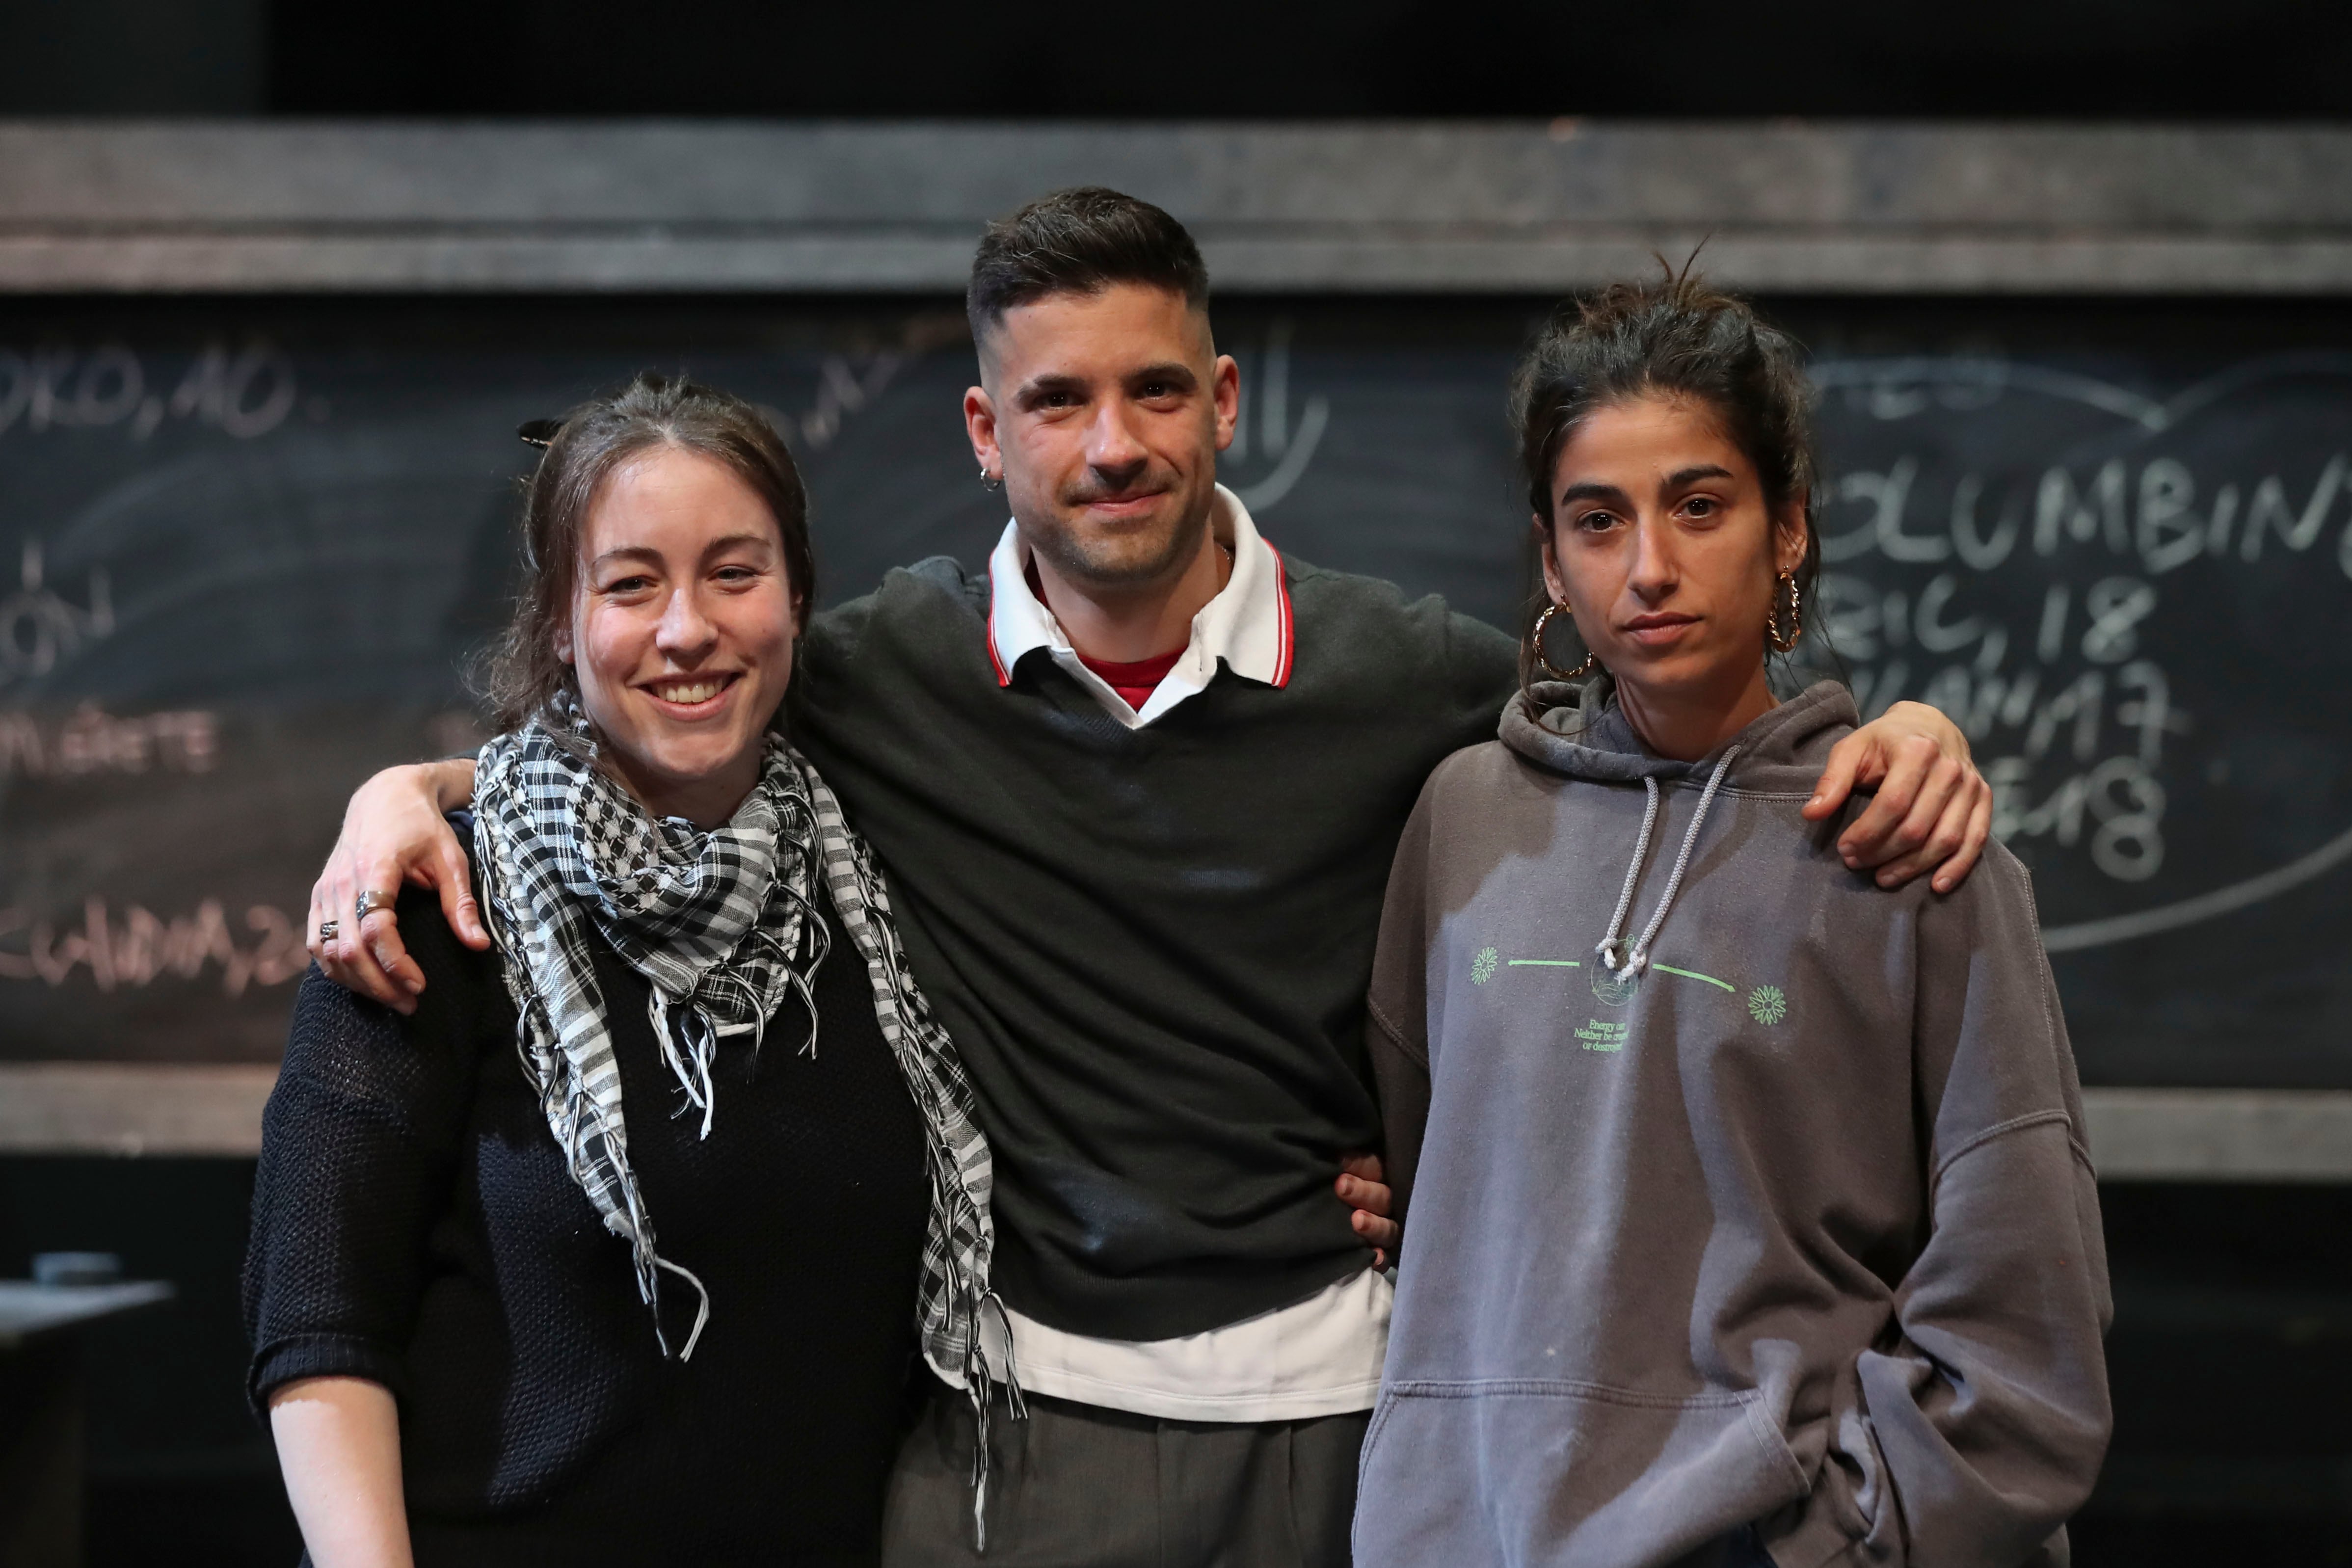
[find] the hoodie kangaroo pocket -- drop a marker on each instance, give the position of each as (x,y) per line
(1579,1475)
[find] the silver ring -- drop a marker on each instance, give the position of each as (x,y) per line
(326,929)
(372,900)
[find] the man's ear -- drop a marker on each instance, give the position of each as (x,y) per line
(979,424)
(1225,392)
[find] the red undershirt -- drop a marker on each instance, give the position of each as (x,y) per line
(1135,682)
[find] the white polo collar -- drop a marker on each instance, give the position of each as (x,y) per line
(1246,625)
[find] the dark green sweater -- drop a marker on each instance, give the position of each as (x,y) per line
(1150,946)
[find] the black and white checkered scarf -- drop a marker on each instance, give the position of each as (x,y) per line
(722,925)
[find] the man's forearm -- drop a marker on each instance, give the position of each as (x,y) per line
(451,782)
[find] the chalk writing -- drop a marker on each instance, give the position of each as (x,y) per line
(1289,448)
(2026,605)
(2111,721)
(849,383)
(40,628)
(94,741)
(844,385)
(243,394)
(2150,512)
(140,948)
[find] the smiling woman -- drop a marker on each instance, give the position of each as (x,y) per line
(665,880)
(681,634)
(667,540)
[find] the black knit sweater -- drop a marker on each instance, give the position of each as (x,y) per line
(413,1224)
(1150,946)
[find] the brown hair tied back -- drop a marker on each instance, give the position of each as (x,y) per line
(1674,337)
(521,674)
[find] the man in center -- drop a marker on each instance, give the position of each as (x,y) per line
(1138,786)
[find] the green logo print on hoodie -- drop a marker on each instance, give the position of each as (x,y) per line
(1767,1004)
(1796,1232)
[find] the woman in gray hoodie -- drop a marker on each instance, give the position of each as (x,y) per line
(1749,1218)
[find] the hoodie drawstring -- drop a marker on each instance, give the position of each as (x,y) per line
(1631,965)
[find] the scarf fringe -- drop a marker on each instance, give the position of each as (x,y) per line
(702,1313)
(980,1389)
(688,1062)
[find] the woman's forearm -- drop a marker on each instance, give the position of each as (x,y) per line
(339,1446)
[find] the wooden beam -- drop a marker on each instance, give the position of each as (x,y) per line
(108,1108)
(2220,1135)
(2136,1134)
(1532,207)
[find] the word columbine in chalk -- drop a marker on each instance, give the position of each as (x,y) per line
(140,948)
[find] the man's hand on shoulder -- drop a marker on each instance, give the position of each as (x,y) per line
(393,833)
(1933,809)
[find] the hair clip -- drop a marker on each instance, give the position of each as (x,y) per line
(539,432)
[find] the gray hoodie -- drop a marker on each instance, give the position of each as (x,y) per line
(1782,1217)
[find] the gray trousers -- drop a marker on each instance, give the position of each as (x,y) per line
(1075,1486)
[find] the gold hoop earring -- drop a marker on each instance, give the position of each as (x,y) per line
(1796,615)
(1591,659)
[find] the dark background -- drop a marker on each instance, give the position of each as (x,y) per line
(2063,59)
(2231,1358)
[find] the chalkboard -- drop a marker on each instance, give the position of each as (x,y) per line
(247,547)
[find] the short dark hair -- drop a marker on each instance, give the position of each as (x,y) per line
(522,675)
(1672,337)
(1080,241)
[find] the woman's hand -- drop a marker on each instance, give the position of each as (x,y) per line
(1360,1188)
(393,833)
(1933,809)
(339,1446)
